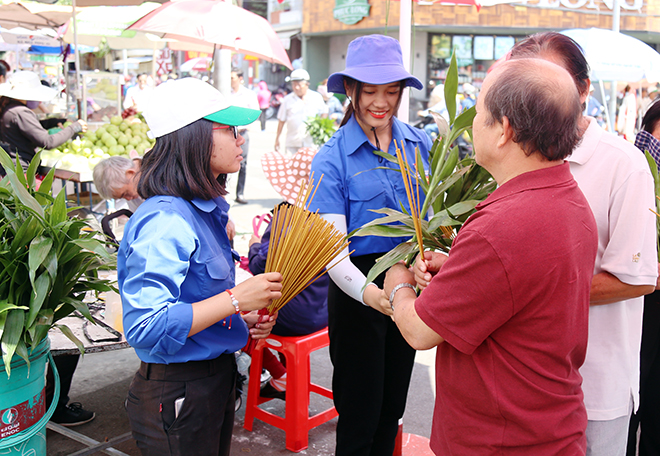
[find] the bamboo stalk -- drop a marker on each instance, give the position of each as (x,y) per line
(412,201)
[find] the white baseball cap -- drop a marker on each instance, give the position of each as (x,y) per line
(183,101)
(299,75)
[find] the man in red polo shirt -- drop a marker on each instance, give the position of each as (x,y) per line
(508,308)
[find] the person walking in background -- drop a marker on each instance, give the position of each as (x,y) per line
(615,179)
(627,119)
(181,307)
(245,98)
(139,95)
(370,394)
(507,380)
(296,108)
(263,96)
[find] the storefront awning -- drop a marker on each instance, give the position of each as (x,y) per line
(285,37)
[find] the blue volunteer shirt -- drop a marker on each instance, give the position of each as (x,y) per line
(174,253)
(352,185)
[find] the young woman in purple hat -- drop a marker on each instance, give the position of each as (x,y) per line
(372,362)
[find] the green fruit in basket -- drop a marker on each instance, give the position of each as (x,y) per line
(105,137)
(87,143)
(116,120)
(104,149)
(135,140)
(122,140)
(91,135)
(98,152)
(114,150)
(110,128)
(123,126)
(115,134)
(100,132)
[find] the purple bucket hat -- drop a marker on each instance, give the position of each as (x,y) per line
(373,59)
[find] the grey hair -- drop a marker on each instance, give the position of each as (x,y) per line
(110,174)
(543,113)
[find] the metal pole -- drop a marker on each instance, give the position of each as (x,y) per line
(405,19)
(76,55)
(616,17)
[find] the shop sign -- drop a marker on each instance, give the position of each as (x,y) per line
(351,11)
(590,4)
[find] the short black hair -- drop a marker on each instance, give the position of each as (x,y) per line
(652,116)
(180,165)
(543,116)
(238,71)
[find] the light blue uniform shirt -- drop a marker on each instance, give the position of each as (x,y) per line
(174,253)
(351,185)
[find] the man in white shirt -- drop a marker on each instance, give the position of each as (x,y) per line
(618,185)
(245,98)
(297,108)
(138,95)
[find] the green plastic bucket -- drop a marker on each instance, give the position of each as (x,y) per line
(23,415)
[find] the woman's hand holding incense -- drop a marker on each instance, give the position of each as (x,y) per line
(424,270)
(259,291)
(259,326)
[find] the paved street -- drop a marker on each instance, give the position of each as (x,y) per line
(102,379)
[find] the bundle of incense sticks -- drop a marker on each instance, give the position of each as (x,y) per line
(413,194)
(301,245)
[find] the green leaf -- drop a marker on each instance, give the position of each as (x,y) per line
(59,212)
(39,293)
(23,195)
(6,161)
(385,231)
(451,88)
(386,156)
(39,248)
(32,170)
(47,183)
(11,336)
(392,257)
(69,334)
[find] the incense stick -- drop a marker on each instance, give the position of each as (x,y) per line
(413,199)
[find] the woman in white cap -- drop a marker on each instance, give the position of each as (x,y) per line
(372,362)
(19,126)
(176,276)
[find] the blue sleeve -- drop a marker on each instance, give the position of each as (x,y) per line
(329,198)
(152,264)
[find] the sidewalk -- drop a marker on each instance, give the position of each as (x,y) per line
(102,379)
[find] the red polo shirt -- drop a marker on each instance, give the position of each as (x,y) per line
(512,304)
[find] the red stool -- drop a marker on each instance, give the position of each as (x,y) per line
(296,422)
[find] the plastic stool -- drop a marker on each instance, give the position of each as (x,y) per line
(296,422)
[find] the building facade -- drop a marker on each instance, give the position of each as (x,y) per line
(480,37)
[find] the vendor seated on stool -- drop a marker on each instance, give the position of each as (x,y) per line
(117,178)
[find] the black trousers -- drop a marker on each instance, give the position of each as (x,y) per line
(66,366)
(205,420)
(372,368)
(242,173)
(647,417)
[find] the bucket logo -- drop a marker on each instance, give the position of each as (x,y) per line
(351,11)
(10,416)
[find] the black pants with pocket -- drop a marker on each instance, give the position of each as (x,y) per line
(372,368)
(205,419)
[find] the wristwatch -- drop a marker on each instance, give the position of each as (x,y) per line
(234,301)
(397,288)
